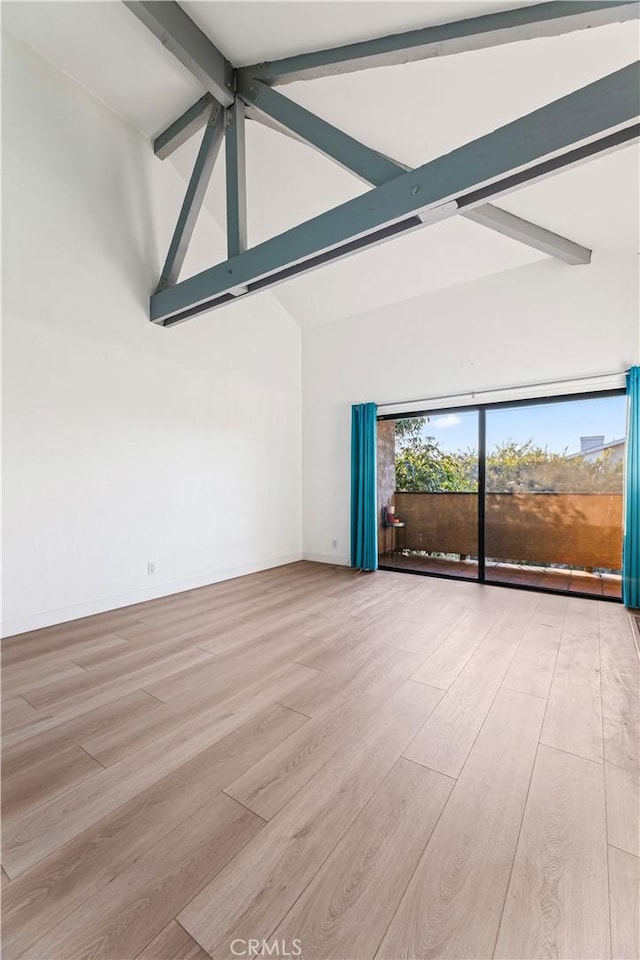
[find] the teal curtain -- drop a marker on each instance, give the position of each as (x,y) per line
(364,516)
(631,552)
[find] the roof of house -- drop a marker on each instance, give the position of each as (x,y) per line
(600,448)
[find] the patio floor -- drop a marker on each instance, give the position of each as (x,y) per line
(569,581)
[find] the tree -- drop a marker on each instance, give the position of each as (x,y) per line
(515,466)
(409,430)
(518,467)
(422,466)
(511,467)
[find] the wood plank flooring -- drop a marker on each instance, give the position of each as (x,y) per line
(326,764)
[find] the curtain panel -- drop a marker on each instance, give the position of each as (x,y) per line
(631,549)
(364,521)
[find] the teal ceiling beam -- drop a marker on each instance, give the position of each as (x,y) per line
(235,157)
(508,26)
(194,197)
(509,225)
(375,169)
(182,129)
(365,163)
(179,34)
(590,120)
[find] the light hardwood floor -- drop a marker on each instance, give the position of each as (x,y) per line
(334,764)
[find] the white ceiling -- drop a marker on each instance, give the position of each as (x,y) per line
(411,112)
(269,30)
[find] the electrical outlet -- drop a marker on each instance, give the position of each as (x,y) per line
(151,567)
(334,544)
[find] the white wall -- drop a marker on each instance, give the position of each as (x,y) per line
(541,322)
(124,442)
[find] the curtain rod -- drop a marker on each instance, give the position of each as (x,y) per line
(525,386)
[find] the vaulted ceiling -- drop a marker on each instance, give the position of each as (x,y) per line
(411,112)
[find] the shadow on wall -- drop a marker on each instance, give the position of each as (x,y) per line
(122,220)
(134,192)
(86,176)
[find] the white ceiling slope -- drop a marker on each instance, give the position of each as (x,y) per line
(412,112)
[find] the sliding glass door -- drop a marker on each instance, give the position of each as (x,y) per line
(526,494)
(554,482)
(428,493)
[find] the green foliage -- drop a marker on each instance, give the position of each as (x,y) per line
(513,466)
(409,429)
(421,466)
(525,467)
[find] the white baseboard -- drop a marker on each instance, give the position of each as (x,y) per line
(48,618)
(334,559)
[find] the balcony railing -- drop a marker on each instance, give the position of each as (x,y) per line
(576,529)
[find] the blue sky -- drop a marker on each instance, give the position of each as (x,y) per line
(556,425)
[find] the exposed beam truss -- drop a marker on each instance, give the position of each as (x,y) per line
(236,181)
(182,129)
(370,166)
(376,169)
(557,134)
(179,34)
(507,26)
(194,197)
(529,233)
(591,121)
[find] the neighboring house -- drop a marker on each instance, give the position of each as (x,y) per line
(592,448)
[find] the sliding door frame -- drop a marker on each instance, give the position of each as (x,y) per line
(482,491)
(481,410)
